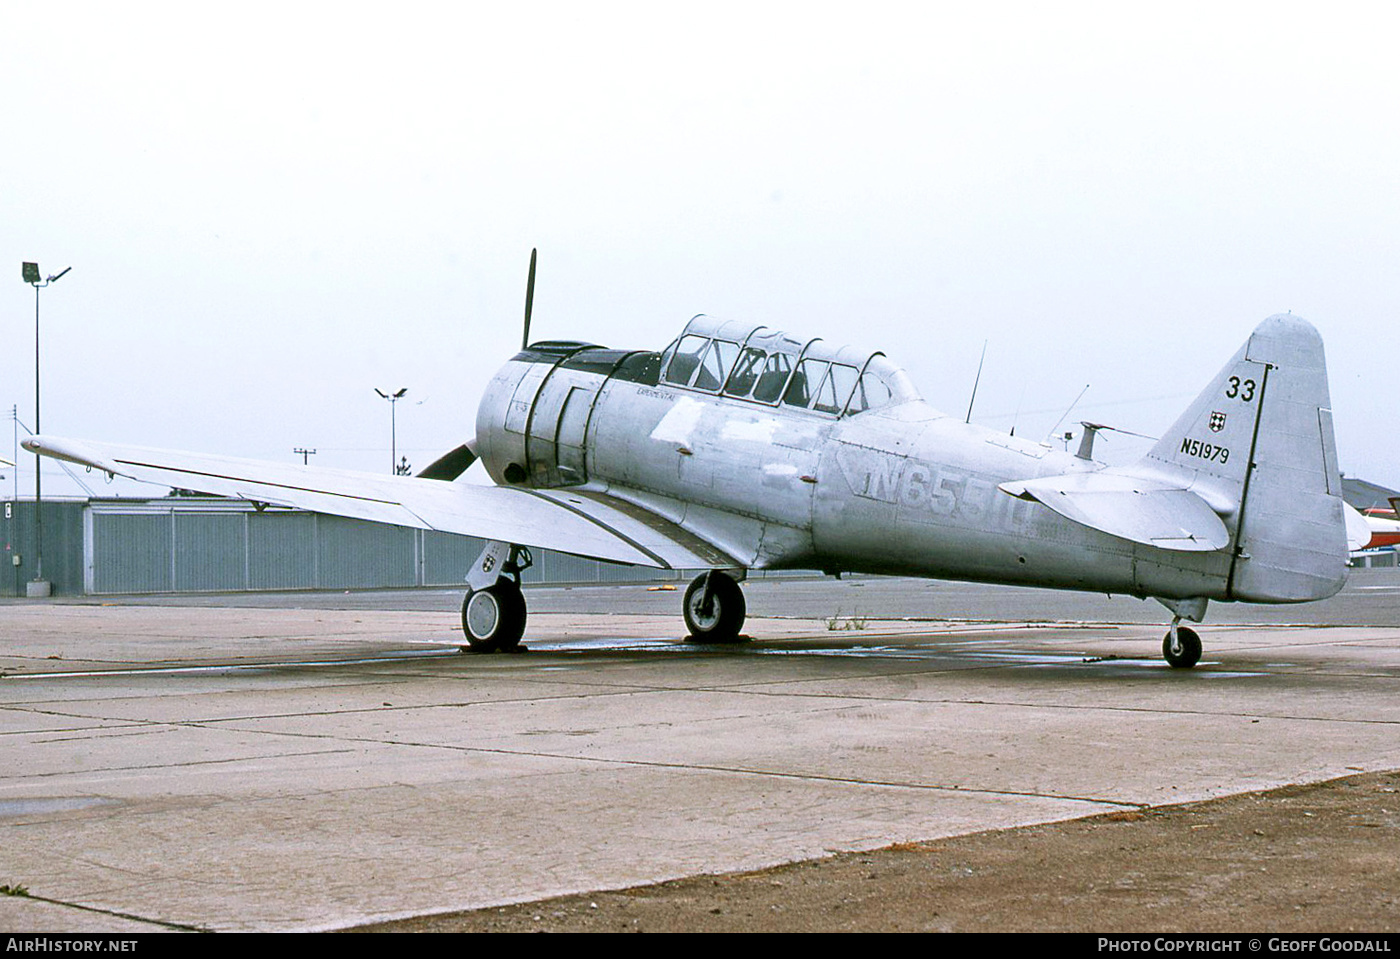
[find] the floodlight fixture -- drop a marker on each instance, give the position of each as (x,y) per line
(32,276)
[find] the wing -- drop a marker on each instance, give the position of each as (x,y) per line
(584,523)
(1141,509)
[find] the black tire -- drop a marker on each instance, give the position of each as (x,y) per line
(1190,653)
(493,619)
(725,617)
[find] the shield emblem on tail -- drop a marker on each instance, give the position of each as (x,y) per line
(1217,422)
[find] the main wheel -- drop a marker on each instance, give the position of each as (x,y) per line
(494,618)
(720,620)
(1188,652)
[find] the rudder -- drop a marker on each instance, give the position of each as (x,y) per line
(1260,444)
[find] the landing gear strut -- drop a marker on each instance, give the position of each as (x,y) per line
(1181,647)
(714,609)
(493,611)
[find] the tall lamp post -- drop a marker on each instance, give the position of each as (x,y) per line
(38,586)
(393,399)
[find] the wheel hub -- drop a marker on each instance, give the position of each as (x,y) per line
(483,613)
(697,610)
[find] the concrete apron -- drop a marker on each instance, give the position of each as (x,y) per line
(280,769)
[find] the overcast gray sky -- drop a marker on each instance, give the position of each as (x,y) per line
(272,209)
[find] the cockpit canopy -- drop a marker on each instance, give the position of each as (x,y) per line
(746,361)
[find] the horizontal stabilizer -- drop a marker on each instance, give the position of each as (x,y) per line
(1148,511)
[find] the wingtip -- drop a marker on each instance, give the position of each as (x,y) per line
(74,451)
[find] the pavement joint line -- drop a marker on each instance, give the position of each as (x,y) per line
(110,723)
(593,690)
(187,765)
(1111,708)
(611,761)
(225,667)
(650,763)
(118,724)
(95,725)
(37,705)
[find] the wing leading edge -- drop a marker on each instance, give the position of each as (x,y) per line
(588,524)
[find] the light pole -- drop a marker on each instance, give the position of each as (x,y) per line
(38,586)
(393,399)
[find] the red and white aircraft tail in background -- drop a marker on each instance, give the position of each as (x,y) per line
(1384,524)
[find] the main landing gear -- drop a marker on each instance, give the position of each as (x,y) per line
(493,618)
(493,611)
(714,608)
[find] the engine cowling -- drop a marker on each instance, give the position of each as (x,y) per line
(532,426)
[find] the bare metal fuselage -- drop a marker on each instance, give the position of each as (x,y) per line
(900,490)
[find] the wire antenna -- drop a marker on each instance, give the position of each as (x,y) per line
(1067,412)
(975,382)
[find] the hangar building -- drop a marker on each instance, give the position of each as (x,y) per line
(210,544)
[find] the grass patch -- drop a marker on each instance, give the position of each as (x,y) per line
(839,623)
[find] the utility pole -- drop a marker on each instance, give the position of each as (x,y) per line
(304,454)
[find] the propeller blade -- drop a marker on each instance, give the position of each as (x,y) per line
(451,465)
(529,300)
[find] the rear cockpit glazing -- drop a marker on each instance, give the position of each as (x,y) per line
(770,367)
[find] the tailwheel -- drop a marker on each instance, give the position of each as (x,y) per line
(1181,647)
(493,618)
(714,609)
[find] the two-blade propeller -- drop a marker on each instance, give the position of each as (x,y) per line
(451,465)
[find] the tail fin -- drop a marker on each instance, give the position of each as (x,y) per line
(1259,442)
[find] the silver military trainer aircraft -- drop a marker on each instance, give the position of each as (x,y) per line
(738,447)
